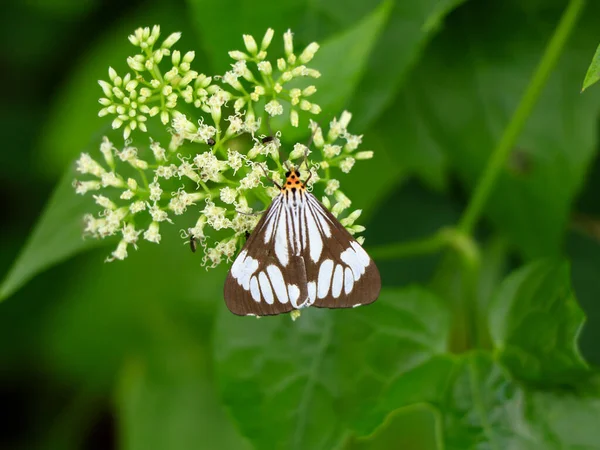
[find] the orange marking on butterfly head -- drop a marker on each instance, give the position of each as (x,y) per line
(293,182)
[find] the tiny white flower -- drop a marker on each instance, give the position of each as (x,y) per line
(332,186)
(155,191)
(82,187)
(105,202)
(265,67)
(136,207)
(347,164)
(158,151)
(331,151)
(157,214)
(120,253)
(228,195)
(274,108)
(353,141)
(234,160)
(299,151)
(85,165)
(152,233)
(127,195)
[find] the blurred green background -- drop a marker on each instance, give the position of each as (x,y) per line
(130,355)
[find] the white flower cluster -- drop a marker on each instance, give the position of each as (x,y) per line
(226,181)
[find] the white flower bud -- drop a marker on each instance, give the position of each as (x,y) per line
(268,37)
(238,56)
(288,43)
(281,64)
(176,57)
(308,53)
(250,44)
(364,155)
(171,40)
(294,118)
(106,88)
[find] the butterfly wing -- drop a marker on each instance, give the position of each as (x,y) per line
(340,273)
(267,277)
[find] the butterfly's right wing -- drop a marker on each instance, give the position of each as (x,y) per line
(266,277)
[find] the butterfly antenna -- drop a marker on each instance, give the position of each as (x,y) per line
(268,177)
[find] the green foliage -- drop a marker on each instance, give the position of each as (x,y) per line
(474,341)
(593,73)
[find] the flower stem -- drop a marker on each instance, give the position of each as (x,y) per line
(502,151)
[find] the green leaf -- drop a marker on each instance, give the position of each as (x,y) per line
(169,403)
(484,408)
(410,27)
(535,323)
(241,18)
(593,72)
(342,60)
(481,408)
(108,312)
(57,236)
(468,108)
(332,368)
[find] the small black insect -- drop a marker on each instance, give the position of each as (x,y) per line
(193,243)
(267,139)
(210,142)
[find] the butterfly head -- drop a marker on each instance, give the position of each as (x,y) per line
(293,182)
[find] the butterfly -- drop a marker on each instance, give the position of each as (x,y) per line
(299,255)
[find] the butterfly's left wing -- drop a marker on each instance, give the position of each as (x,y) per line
(340,273)
(268,277)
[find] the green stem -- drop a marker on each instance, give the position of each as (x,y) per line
(502,151)
(446,237)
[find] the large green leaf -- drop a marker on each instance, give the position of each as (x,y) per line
(337,369)
(410,27)
(485,409)
(467,88)
(535,323)
(56,237)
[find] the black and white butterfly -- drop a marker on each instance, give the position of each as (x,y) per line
(299,255)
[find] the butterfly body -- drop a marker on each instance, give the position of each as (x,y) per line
(299,255)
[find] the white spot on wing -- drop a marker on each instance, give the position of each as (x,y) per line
(362,255)
(348,280)
(294,294)
(265,288)
(249,267)
(350,257)
(237,264)
(315,240)
(278,283)
(312,292)
(338,281)
(324,280)
(281,239)
(254,291)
